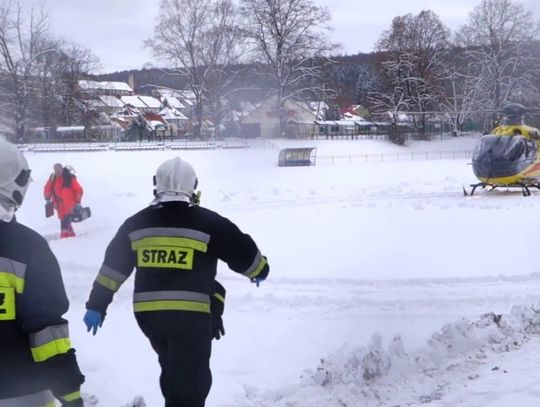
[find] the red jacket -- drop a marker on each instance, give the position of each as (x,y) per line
(63,197)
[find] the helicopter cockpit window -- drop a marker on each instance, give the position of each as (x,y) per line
(511,148)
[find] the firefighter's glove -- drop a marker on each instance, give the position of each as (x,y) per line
(258,280)
(93,320)
(218,330)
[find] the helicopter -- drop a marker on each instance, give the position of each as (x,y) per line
(509,157)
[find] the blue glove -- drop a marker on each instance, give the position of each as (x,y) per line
(262,274)
(77,208)
(258,280)
(93,320)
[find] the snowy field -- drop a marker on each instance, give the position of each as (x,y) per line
(380,273)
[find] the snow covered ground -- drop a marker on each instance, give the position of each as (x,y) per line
(380,275)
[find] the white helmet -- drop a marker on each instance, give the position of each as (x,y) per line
(14,174)
(175,180)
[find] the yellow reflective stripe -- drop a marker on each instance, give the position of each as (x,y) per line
(169,241)
(11,280)
(7,304)
(71,396)
(108,282)
(171,305)
(220,297)
(51,404)
(50,349)
(173,232)
(258,269)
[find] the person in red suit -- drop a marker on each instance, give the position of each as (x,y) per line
(65,192)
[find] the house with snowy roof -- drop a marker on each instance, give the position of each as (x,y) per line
(108,88)
(176,119)
(181,100)
(146,104)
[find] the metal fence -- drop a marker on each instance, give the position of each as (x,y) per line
(132,146)
(401,156)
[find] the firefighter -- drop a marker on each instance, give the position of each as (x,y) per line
(38,362)
(174,244)
(65,193)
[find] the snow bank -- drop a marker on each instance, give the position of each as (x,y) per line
(378,375)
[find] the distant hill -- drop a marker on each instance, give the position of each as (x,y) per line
(252,86)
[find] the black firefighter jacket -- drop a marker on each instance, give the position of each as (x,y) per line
(174,247)
(36,356)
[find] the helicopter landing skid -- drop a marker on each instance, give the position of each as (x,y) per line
(525,188)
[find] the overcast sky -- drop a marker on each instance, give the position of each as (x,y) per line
(115,29)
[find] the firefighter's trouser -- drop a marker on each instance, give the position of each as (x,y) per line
(184,357)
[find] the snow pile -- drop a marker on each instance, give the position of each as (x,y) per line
(375,375)
(91,400)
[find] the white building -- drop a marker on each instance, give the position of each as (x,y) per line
(95,88)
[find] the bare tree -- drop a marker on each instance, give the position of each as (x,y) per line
(414,50)
(497,39)
(225,42)
(74,63)
(23,40)
(290,43)
(58,96)
(196,37)
(392,102)
(462,90)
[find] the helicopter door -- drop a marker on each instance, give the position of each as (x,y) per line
(515,148)
(530,150)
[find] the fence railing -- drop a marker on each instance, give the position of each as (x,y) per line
(401,156)
(131,146)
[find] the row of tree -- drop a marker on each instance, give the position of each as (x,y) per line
(221,49)
(205,40)
(38,72)
(489,62)
(419,66)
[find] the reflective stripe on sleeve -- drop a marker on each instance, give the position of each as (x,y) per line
(42,399)
(171,300)
(180,237)
(49,342)
(71,396)
(219,297)
(256,267)
(110,278)
(12,274)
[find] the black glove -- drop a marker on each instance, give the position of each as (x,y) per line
(217,306)
(218,330)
